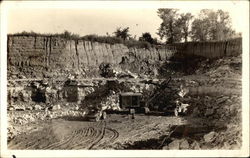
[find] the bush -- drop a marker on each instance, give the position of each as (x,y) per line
(102,39)
(138,44)
(31,33)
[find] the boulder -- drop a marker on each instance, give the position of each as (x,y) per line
(195,145)
(29,108)
(77,107)
(38,107)
(56,107)
(174,145)
(165,147)
(11,108)
(184,144)
(209,137)
(20,108)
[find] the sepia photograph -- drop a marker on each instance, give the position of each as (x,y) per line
(125,76)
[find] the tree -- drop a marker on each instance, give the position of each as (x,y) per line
(199,31)
(148,38)
(212,25)
(168,28)
(122,33)
(184,22)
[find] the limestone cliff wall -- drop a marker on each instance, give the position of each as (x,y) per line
(51,56)
(49,53)
(214,49)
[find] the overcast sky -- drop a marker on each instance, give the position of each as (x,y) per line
(86,18)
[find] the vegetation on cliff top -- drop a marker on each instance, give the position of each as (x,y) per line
(119,38)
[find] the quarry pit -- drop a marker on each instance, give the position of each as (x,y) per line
(51,82)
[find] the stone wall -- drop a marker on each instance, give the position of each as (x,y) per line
(214,49)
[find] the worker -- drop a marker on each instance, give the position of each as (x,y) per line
(133,115)
(132,112)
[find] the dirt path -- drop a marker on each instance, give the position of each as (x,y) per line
(117,129)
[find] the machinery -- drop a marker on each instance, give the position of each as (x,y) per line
(95,114)
(171,107)
(137,103)
(133,102)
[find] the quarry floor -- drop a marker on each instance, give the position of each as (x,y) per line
(118,131)
(215,93)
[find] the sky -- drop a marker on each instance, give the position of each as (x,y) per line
(91,18)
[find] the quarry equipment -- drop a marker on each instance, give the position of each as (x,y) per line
(133,102)
(180,108)
(161,92)
(95,114)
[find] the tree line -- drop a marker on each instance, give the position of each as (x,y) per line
(209,25)
(175,27)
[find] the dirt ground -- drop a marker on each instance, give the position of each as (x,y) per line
(118,131)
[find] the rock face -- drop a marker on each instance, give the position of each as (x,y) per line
(39,54)
(53,56)
(211,49)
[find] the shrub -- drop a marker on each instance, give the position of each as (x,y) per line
(102,39)
(138,44)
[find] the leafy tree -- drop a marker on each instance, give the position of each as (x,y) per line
(184,22)
(122,33)
(148,38)
(169,28)
(212,25)
(199,31)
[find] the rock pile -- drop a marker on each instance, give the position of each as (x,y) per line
(40,113)
(217,109)
(224,67)
(214,96)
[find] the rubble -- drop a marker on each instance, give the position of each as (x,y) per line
(224,67)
